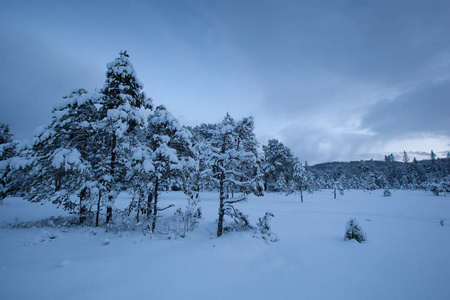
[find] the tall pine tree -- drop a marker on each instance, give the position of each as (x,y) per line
(231,159)
(122,99)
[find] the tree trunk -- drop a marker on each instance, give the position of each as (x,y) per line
(113,154)
(98,208)
(82,206)
(58,184)
(334,193)
(221,205)
(149,204)
(301,195)
(155,203)
(138,207)
(109,210)
(113,163)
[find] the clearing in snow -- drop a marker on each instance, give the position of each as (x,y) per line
(405,256)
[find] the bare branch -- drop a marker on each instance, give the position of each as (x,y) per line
(235,201)
(161,209)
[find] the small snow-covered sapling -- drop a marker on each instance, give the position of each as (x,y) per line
(353,231)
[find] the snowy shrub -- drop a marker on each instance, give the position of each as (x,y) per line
(263,228)
(434,188)
(241,222)
(353,231)
(441,187)
(146,228)
(387,193)
(442,222)
(372,187)
(52,222)
(171,231)
(189,218)
(52,235)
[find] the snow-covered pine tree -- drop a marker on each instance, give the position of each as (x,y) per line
(15,171)
(170,152)
(301,181)
(432,170)
(59,156)
(280,185)
(231,159)
(432,157)
(448,163)
(201,138)
(140,170)
(391,170)
(370,181)
(338,181)
(405,158)
(353,231)
(250,160)
(405,175)
(417,173)
(6,143)
(7,151)
(278,161)
(122,98)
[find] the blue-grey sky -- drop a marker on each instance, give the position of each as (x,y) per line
(332,80)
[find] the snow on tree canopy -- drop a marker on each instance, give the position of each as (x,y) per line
(44,135)
(68,158)
(76,97)
(184,134)
(17,162)
(166,152)
(122,127)
(137,154)
(148,166)
(162,116)
(122,86)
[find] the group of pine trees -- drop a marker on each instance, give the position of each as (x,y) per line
(430,175)
(102,143)
(114,140)
(284,173)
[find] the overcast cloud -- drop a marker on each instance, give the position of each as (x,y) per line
(333,80)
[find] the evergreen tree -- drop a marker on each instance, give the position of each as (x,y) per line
(6,143)
(58,158)
(171,154)
(432,157)
(231,159)
(392,170)
(405,158)
(417,173)
(278,161)
(448,163)
(301,181)
(122,99)
(405,176)
(281,185)
(7,151)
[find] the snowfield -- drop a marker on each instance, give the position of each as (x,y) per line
(406,255)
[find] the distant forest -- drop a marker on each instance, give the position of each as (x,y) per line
(390,173)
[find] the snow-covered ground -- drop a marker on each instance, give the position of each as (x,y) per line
(406,255)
